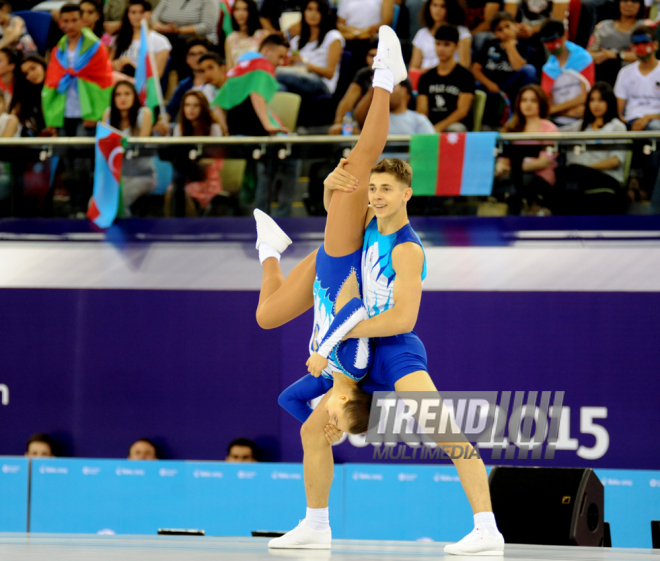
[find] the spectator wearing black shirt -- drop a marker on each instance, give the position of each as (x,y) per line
(357,89)
(501,67)
(446,93)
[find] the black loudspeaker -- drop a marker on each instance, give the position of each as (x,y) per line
(548,506)
(655,533)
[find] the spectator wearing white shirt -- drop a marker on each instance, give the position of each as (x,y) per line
(314,65)
(126,44)
(637,87)
(359,21)
(433,15)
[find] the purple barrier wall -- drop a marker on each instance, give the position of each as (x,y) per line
(191,369)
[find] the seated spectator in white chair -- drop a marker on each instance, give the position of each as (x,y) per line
(314,65)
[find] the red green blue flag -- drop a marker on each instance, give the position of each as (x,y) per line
(90,73)
(106,202)
(453,164)
(225,14)
(147,82)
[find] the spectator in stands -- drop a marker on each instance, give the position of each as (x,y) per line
(26,104)
(357,89)
(479,15)
(40,445)
(567,76)
(402,119)
(359,21)
(92,17)
(610,44)
(195,48)
(126,44)
(530,115)
(127,114)
(591,183)
(9,128)
(271,11)
(242,450)
(534,13)
(446,93)
(248,33)
(13,33)
(502,68)
(143,449)
(214,71)
(195,119)
(62,100)
(434,14)
(314,65)
(636,89)
(180,19)
(10,60)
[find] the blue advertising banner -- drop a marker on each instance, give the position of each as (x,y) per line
(14,481)
(127,497)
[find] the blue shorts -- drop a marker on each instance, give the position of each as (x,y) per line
(394,358)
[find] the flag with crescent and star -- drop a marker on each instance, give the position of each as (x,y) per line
(453,164)
(147,83)
(106,202)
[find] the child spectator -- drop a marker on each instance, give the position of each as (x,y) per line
(502,66)
(317,51)
(75,105)
(637,87)
(13,33)
(201,180)
(9,60)
(567,76)
(434,14)
(446,93)
(538,173)
(591,183)
(127,114)
(357,89)
(248,33)
(610,44)
(126,44)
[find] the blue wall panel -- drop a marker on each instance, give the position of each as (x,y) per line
(14,478)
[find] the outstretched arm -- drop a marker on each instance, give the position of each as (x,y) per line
(408,264)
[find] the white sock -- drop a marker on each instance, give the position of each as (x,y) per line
(486,521)
(317,518)
(383,78)
(266,251)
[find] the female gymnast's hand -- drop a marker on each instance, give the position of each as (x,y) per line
(332,434)
(340,179)
(316,364)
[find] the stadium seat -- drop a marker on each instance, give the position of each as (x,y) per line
(286,106)
(478,107)
(232,174)
(38,26)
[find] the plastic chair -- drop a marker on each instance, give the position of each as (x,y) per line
(478,107)
(232,174)
(286,106)
(38,26)
(627,163)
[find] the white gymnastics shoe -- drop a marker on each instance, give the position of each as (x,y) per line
(389,54)
(303,537)
(268,232)
(478,542)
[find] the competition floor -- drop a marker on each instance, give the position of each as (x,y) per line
(70,547)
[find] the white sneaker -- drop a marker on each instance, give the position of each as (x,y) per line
(478,542)
(270,233)
(389,54)
(303,537)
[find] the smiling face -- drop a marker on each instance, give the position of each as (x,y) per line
(529,105)
(124,97)
(387,195)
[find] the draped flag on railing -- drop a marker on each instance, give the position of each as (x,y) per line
(106,202)
(147,82)
(453,164)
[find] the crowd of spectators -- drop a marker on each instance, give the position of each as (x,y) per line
(540,65)
(42,445)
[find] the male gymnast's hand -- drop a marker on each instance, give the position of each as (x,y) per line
(340,179)
(332,434)
(316,364)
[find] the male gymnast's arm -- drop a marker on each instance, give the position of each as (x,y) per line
(408,264)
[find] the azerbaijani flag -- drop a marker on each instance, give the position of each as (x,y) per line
(453,164)
(227,27)
(106,202)
(91,74)
(147,82)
